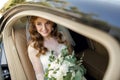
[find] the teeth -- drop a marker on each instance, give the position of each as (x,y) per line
(44,32)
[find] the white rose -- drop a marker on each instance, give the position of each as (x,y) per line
(59,75)
(50,73)
(64,69)
(54,65)
(68,63)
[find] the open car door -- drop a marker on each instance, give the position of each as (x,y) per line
(13,36)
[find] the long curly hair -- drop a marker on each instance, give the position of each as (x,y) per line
(38,40)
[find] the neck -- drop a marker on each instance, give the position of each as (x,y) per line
(47,38)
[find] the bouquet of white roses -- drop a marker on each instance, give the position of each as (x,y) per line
(65,67)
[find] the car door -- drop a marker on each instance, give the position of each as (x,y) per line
(16,65)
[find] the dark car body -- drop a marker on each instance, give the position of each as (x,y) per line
(91,23)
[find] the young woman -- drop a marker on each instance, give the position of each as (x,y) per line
(44,37)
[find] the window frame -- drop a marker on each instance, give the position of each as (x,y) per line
(87,31)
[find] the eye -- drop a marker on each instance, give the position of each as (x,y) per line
(48,22)
(38,23)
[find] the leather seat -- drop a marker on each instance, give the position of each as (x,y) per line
(96,61)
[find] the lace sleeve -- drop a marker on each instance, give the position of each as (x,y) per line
(37,65)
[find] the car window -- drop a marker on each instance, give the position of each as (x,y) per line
(4,69)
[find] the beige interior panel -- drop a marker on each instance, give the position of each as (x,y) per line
(21,45)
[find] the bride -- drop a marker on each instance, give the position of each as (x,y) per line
(44,37)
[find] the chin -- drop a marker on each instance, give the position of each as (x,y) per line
(45,35)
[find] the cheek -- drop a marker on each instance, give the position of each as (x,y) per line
(50,28)
(38,27)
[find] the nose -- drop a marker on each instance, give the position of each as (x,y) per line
(44,27)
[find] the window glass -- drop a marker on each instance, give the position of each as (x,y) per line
(4,70)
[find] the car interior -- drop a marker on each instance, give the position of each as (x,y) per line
(95,55)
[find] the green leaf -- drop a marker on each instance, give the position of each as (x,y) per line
(78,75)
(64,52)
(82,69)
(52,57)
(70,59)
(68,77)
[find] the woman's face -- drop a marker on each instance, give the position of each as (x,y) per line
(44,27)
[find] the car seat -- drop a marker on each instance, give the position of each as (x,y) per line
(19,37)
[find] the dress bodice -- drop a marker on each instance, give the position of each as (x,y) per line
(45,58)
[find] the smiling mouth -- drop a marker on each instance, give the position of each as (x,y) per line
(45,32)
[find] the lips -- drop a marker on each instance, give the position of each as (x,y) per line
(45,32)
